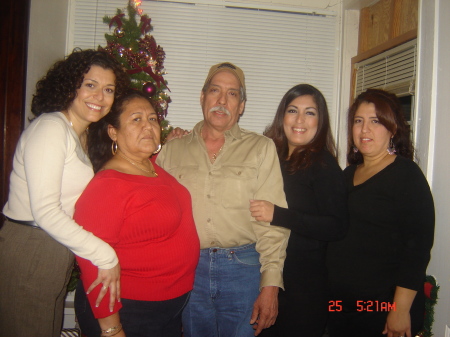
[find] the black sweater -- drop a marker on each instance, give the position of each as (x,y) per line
(391,230)
(317,214)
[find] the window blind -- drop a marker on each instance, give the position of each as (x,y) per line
(276,50)
(393,70)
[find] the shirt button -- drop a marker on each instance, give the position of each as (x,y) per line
(239,173)
(208,196)
(212,243)
(210,173)
(208,220)
(179,177)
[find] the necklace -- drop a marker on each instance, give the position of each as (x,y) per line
(136,164)
(82,136)
(66,114)
(214,155)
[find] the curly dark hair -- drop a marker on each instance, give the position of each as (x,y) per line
(390,114)
(302,156)
(57,89)
(99,143)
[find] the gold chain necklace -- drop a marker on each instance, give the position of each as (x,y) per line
(136,164)
(214,155)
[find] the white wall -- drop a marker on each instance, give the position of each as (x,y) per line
(349,49)
(47,41)
(433,139)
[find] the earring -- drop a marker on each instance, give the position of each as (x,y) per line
(355,149)
(114,147)
(391,149)
(158,149)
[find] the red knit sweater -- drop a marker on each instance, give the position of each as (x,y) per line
(149,223)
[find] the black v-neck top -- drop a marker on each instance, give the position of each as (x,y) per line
(391,230)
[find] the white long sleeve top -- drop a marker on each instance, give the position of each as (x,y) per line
(50,171)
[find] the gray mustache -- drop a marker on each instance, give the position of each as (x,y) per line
(221,109)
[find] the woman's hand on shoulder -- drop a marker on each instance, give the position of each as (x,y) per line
(110,279)
(262,210)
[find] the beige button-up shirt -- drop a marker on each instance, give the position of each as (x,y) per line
(246,168)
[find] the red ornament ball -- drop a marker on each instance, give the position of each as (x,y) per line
(149,88)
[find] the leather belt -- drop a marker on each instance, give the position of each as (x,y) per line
(23,222)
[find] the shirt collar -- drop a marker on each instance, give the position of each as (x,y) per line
(234,132)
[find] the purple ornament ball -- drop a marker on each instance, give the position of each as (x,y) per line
(149,88)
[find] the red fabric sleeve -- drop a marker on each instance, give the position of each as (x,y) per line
(99,210)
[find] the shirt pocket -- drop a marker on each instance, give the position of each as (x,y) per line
(187,176)
(239,183)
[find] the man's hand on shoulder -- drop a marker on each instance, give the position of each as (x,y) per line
(177,133)
(265,309)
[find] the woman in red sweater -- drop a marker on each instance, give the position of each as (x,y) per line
(146,216)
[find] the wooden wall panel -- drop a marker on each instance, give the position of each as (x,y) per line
(406,17)
(386,20)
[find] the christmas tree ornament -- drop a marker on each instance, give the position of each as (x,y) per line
(149,88)
(119,32)
(431,289)
(145,24)
(135,4)
(117,20)
(163,104)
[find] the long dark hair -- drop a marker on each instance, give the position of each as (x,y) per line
(99,143)
(390,114)
(302,156)
(58,88)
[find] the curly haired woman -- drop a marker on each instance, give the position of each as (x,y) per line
(50,170)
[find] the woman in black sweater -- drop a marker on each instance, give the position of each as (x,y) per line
(377,271)
(317,213)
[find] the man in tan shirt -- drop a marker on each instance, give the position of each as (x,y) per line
(224,167)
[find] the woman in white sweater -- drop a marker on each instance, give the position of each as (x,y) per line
(50,170)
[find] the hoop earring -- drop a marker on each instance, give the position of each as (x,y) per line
(114,148)
(391,149)
(355,149)
(158,149)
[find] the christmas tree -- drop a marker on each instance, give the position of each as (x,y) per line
(133,46)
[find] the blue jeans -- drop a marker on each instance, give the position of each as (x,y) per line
(225,288)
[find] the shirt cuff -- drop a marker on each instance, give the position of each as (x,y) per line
(271,277)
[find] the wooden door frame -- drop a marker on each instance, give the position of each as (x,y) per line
(14,23)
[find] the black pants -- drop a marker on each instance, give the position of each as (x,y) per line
(138,318)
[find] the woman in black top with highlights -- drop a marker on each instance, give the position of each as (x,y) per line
(317,213)
(380,265)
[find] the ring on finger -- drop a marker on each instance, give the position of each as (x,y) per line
(105,287)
